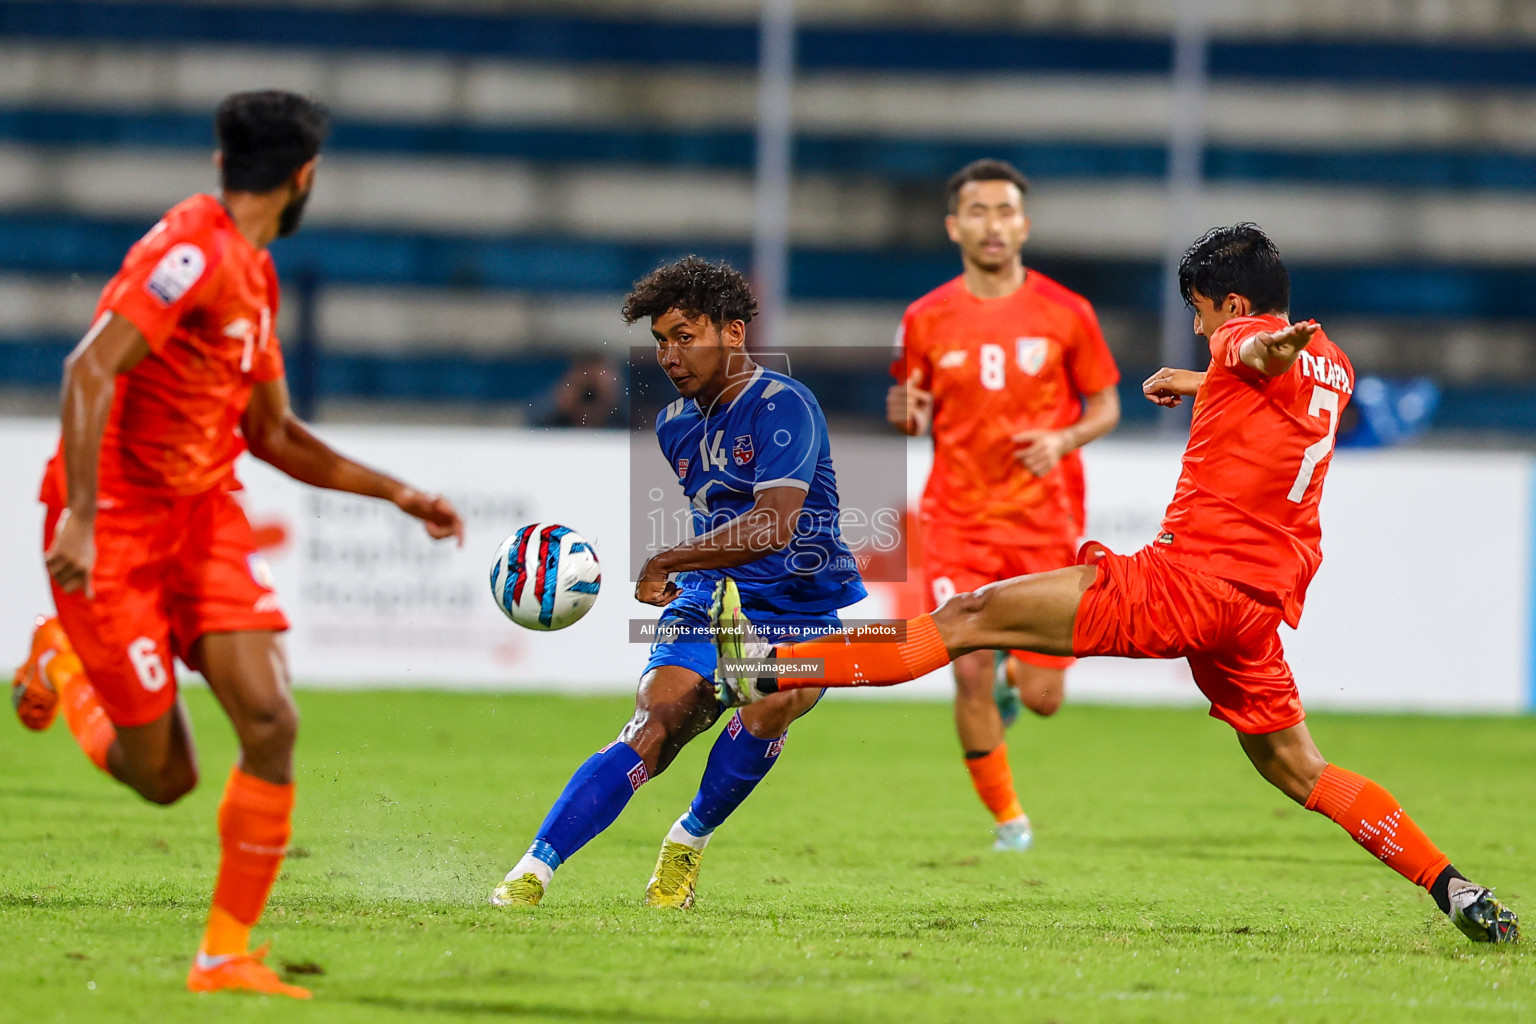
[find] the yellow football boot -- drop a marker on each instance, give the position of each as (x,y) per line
(523,891)
(676,875)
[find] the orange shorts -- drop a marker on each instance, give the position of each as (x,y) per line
(167,572)
(1146,606)
(955,564)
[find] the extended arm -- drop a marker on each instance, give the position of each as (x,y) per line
(1274,352)
(113,346)
(1168,387)
(768,526)
(1040,450)
(278,437)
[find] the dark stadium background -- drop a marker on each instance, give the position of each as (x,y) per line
(499,173)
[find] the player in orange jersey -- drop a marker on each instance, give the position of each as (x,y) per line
(149,552)
(1010,373)
(1237,549)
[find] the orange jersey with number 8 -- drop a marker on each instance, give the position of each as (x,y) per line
(1246,507)
(997,367)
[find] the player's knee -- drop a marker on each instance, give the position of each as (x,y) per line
(271,728)
(657,738)
(963,615)
(974,678)
(169,784)
(770,718)
(1044,703)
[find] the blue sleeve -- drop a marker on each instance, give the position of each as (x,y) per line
(788,433)
(667,438)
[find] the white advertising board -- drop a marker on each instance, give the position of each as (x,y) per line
(1423,601)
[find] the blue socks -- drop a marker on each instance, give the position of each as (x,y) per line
(737,763)
(600,789)
(590,802)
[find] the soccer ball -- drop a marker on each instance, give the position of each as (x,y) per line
(545,576)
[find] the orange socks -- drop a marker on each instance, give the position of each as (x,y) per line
(871,664)
(83,713)
(1376,821)
(993,780)
(255,821)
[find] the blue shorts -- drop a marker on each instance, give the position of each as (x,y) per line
(691,647)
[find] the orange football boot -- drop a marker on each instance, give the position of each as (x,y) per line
(243,973)
(32,692)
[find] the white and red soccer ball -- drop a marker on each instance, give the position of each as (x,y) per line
(545,576)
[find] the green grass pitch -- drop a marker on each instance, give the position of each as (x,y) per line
(1168,883)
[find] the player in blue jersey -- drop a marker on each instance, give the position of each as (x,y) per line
(750,449)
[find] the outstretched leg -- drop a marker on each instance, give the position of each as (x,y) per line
(1291,762)
(673,705)
(1030,613)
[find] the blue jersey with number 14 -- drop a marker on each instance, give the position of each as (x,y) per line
(773,434)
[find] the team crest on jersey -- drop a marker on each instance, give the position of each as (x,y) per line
(1032,353)
(741,449)
(682,468)
(177,271)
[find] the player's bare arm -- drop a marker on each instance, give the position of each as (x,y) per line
(908,407)
(1274,352)
(1040,450)
(1168,387)
(277,437)
(767,527)
(113,346)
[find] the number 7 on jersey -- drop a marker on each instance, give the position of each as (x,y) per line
(1323,400)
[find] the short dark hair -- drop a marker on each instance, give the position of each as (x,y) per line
(694,287)
(1240,259)
(986,169)
(265,136)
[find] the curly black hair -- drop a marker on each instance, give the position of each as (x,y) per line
(1239,259)
(694,287)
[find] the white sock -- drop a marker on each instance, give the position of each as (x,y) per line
(531,864)
(678,834)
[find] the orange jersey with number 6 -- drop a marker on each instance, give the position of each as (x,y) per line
(1246,506)
(997,367)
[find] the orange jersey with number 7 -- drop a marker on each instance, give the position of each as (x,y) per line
(997,367)
(1246,506)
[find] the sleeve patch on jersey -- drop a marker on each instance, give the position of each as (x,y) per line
(177,271)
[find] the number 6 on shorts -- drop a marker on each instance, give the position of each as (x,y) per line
(144,656)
